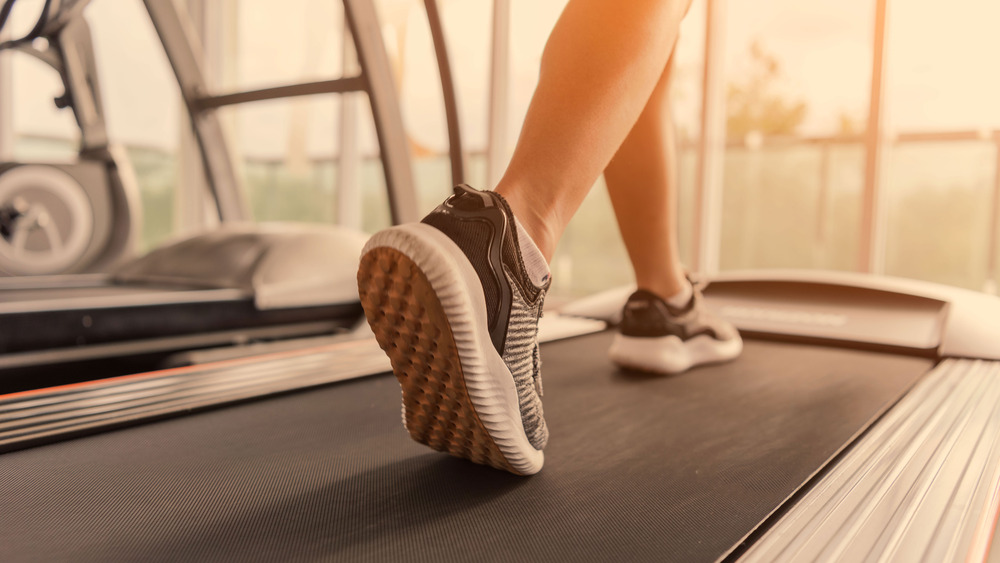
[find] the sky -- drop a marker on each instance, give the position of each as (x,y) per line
(941,67)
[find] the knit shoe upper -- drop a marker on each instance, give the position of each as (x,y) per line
(482,225)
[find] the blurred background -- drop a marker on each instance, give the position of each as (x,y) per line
(858,135)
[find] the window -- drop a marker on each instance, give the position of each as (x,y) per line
(941,160)
(797,87)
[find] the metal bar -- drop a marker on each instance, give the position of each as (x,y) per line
(65,12)
(821,201)
(871,257)
(991,252)
(392,138)
(941,136)
(711,146)
(184,390)
(448,91)
(900,138)
(336,86)
(189,201)
(47,56)
(184,53)
(79,73)
(6,107)
(349,160)
(788,141)
(496,146)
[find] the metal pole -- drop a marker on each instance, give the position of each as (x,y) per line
(711,146)
(991,257)
(871,257)
(496,149)
(189,201)
(6,108)
(821,240)
(382,93)
(447,90)
(349,160)
(183,49)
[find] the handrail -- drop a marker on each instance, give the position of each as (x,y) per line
(447,90)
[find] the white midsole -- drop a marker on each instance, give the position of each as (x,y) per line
(669,354)
(488,381)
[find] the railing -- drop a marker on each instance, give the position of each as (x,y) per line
(825,172)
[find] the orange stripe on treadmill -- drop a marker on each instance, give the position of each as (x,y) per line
(173,371)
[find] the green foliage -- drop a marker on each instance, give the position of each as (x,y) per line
(780,212)
(156,173)
(753,106)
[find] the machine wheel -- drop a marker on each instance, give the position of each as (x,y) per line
(46,221)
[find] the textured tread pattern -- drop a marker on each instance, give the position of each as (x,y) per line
(411,326)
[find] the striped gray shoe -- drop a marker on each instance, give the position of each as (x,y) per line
(451,304)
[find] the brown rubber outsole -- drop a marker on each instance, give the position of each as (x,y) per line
(410,325)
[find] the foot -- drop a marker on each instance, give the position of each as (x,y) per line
(450,302)
(656,337)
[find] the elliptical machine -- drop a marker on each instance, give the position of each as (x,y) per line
(80,217)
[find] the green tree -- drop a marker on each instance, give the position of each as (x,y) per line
(753,106)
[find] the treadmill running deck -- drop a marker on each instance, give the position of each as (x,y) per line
(639,467)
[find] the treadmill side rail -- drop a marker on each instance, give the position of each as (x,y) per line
(920,486)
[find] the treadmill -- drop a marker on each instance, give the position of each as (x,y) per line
(233,285)
(859,424)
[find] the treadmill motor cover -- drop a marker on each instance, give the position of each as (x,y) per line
(282,265)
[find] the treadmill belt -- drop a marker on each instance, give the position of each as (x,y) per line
(638,467)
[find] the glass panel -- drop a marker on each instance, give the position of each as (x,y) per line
(278,43)
(796,205)
(286,153)
(949,82)
(939,201)
(142,108)
(41,131)
(290,148)
(797,87)
(940,193)
(411,52)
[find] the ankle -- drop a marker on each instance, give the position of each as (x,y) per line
(675,290)
(536,224)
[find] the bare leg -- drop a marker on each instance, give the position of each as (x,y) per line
(600,66)
(642,183)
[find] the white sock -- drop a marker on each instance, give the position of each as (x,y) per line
(534,261)
(680,299)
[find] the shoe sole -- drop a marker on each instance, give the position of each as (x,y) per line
(669,355)
(424,302)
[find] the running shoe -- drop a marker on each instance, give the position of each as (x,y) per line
(450,302)
(656,337)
